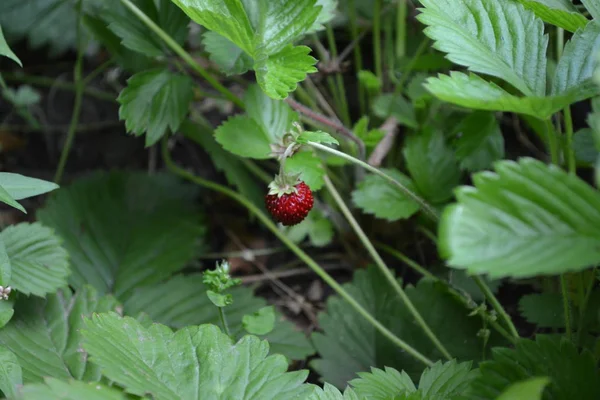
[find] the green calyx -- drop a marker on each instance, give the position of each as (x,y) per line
(284,184)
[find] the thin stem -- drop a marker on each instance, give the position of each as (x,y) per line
(357,53)
(339,81)
(552,141)
(384,268)
(415,266)
(401,29)
(224,321)
(296,250)
(569,143)
(377,39)
(173,45)
(489,295)
(79,87)
(338,127)
(560,42)
(566,305)
(424,205)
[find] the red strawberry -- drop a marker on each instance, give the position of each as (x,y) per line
(290,200)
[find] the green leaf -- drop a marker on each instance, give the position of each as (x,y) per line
(11,375)
(525,219)
(432,165)
(543,309)
(6,51)
(490,38)
(275,117)
(395,105)
(471,91)
(573,375)
(561,13)
(318,137)
(593,6)
(153,101)
(330,392)
(328,11)
(235,171)
(383,384)
(260,322)
(229,58)
(369,81)
(183,303)
(576,66)
(265,123)
(446,380)
(123,230)
(196,362)
(6,198)
(531,389)
(134,34)
(21,187)
(6,313)
(280,73)
(54,389)
(375,195)
(44,334)
(480,142)
(43,23)
(40,265)
(131,61)
(316,226)
(218,299)
(243,136)
(348,344)
(264,31)
(309,166)
(442,381)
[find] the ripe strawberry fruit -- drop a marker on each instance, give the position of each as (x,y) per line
(289,200)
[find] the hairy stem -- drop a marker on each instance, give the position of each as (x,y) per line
(424,205)
(223,319)
(296,250)
(384,268)
(79,87)
(489,295)
(185,56)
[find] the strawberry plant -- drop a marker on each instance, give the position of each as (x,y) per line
(314,199)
